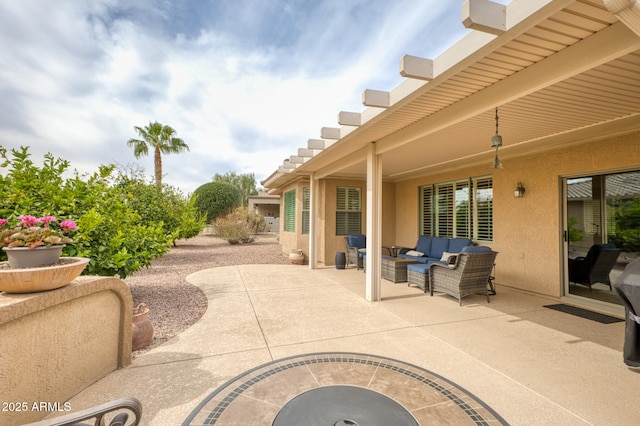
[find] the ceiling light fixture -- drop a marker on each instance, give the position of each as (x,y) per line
(496,142)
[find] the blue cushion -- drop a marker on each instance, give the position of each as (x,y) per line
(417,259)
(476,249)
(438,246)
(457,244)
(357,240)
(420,268)
(603,246)
(424,244)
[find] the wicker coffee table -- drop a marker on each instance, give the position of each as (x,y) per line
(394,269)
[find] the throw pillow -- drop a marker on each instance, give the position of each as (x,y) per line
(448,257)
(415,253)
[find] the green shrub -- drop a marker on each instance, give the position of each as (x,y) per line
(215,199)
(239,226)
(627,231)
(177,213)
(110,232)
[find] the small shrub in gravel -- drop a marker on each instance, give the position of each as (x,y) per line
(240,226)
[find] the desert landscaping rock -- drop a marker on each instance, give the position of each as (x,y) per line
(175,304)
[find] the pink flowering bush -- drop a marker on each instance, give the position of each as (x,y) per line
(34,232)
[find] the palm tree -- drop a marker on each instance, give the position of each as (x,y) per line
(163,141)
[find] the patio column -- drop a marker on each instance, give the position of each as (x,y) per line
(374,224)
(313,222)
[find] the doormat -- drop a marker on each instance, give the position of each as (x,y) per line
(584,313)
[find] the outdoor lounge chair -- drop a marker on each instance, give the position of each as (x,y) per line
(356,249)
(468,275)
(595,266)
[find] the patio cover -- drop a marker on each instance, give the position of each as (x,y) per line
(561,72)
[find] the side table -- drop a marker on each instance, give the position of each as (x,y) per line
(394,269)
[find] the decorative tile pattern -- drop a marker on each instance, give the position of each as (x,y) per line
(256,396)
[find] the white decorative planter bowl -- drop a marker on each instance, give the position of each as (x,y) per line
(30,280)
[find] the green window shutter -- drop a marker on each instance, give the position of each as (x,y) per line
(306,206)
(483,209)
(348,210)
(290,211)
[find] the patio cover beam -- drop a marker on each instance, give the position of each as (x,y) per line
(521,16)
(608,44)
(344,162)
(628,11)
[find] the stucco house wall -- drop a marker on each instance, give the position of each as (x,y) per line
(294,240)
(329,243)
(528,230)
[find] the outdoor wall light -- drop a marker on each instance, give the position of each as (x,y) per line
(496,142)
(519,191)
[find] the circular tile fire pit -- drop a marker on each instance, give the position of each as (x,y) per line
(342,389)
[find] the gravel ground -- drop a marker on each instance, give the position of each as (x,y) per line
(175,304)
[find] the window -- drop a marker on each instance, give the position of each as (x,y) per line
(306,204)
(348,210)
(483,209)
(462,208)
(290,211)
(426,210)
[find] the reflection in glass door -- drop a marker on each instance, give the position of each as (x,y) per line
(601,209)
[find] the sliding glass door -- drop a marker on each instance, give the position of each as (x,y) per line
(600,209)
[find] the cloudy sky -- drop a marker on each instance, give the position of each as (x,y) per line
(244,82)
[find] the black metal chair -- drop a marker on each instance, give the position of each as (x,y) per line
(595,266)
(116,413)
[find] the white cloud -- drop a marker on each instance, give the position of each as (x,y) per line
(244,85)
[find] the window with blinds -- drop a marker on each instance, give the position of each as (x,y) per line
(483,209)
(452,209)
(348,210)
(306,206)
(462,208)
(426,210)
(290,211)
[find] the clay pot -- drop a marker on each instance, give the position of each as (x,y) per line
(296,257)
(141,327)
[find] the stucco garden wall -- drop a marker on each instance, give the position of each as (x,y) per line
(56,343)
(528,230)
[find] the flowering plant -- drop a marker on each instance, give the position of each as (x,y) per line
(32,232)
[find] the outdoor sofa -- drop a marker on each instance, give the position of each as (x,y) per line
(432,249)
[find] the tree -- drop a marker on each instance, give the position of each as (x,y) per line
(163,141)
(627,232)
(177,213)
(245,182)
(215,199)
(110,232)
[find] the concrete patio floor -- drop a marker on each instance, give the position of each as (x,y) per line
(530,364)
